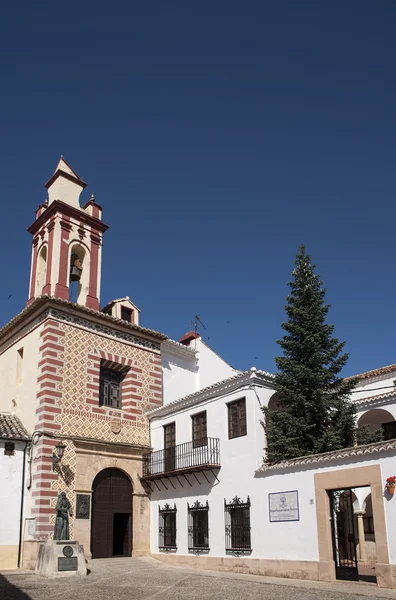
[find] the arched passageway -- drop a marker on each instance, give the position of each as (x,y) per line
(378,418)
(111,527)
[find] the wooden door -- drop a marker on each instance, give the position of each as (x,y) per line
(111,527)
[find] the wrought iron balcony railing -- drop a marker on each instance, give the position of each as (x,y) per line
(191,456)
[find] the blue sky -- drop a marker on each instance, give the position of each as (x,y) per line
(217,136)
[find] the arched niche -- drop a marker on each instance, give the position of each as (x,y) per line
(275,402)
(78,256)
(373,419)
(41,272)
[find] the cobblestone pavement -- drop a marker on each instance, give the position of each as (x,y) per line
(149,579)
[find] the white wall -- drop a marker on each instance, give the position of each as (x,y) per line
(371,387)
(297,540)
(240,458)
(21,399)
(212,368)
(11,468)
(179,371)
(188,369)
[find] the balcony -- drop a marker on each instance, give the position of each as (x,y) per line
(191,457)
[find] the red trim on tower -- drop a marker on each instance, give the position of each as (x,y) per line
(47,288)
(66,210)
(61,288)
(34,271)
(92,296)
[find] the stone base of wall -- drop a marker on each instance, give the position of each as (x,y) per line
(253,566)
(8,557)
(291,569)
(30,553)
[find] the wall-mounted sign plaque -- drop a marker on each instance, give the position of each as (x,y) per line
(283,506)
(67,564)
(83,502)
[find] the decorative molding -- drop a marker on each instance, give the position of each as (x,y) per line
(99,328)
(313,459)
(379,400)
(236,502)
(260,378)
(167,508)
(198,506)
(179,349)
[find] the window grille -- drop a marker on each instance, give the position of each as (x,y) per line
(237,525)
(237,418)
(167,527)
(198,526)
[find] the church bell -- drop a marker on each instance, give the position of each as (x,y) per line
(75,268)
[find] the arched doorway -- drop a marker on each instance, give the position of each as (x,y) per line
(111,527)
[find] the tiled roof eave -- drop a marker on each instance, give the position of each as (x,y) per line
(373,400)
(43,300)
(211,391)
(336,455)
(11,428)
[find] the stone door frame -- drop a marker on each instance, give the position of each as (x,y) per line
(351,478)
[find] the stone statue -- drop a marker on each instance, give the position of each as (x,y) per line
(63,511)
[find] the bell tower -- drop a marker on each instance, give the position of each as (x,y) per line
(67,242)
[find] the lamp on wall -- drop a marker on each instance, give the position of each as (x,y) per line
(56,458)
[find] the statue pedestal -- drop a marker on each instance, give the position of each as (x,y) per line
(61,558)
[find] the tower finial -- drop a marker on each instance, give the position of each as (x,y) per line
(92,197)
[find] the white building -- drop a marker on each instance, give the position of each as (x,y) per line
(215,504)
(13,445)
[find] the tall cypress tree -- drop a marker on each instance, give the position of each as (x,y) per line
(313,413)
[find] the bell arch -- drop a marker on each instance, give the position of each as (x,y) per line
(78,269)
(111,526)
(41,273)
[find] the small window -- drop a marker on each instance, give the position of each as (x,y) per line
(126,314)
(9,448)
(237,525)
(110,388)
(199,431)
(237,418)
(167,527)
(198,526)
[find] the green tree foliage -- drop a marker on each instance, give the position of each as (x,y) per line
(365,436)
(313,414)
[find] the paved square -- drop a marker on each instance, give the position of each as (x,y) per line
(149,579)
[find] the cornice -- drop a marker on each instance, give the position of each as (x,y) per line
(336,455)
(259,378)
(65,209)
(68,310)
(379,400)
(179,349)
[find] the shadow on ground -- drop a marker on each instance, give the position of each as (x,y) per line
(8,591)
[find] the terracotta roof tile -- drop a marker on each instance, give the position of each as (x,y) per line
(11,428)
(374,372)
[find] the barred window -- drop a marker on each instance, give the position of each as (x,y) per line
(198,526)
(237,525)
(167,527)
(237,418)
(110,388)
(199,430)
